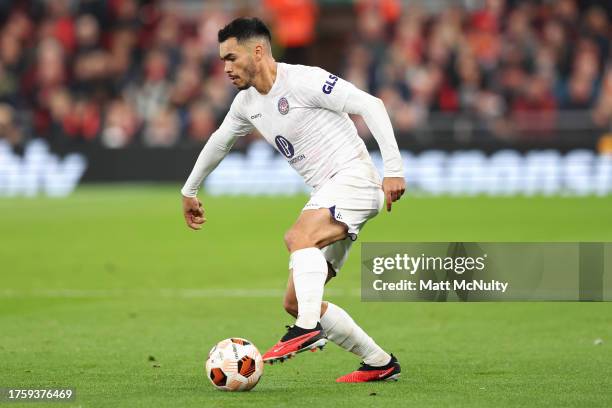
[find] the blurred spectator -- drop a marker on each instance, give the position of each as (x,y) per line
(125,13)
(11,64)
(19,26)
(8,129)
(167,40)
(60,109)
(597,27)
(201,122)
(534,109)
(122,60)
(483,36)
(152,95)
(83,121)
(217,95)
(293,27)
(90,66)
(49,74)
(187,86)
(121,124)
(61,23)
(602,114)
(163,130)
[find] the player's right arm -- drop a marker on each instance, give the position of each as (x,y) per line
(218,146)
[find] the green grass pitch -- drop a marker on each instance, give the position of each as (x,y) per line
(95,284)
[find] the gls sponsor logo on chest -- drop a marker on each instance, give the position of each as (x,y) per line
(328,86)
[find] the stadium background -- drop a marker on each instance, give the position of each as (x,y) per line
(503,110)
(137,87)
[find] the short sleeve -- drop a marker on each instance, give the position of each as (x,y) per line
(235,123)
(321,89)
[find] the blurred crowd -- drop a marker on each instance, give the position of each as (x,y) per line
(116,72)
(125,72)
(511,66)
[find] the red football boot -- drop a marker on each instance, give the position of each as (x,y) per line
(367,373)
(295,341)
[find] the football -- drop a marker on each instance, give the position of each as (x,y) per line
(234,365)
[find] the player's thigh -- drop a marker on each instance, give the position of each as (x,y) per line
(315,228)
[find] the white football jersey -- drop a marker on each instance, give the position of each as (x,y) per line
(302,118)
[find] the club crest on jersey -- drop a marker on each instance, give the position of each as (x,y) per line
(284,146)
(283,106)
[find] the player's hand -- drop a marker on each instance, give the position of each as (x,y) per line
(193,212)
(394,188)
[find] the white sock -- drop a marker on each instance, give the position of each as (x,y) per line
(309,273)
(342,330)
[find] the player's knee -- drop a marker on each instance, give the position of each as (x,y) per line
(291,306)
(295,239)
(288,238)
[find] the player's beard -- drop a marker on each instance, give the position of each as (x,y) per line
(249,72)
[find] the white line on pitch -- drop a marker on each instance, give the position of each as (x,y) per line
(195,293)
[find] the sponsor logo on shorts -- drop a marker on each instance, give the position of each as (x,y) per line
(283,106)
(284,146)
(335,213)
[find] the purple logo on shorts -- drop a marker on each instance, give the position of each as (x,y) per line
(283,106)
(284,146)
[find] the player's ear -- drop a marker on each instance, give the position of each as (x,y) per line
(259,50)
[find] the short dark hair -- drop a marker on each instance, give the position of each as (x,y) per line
(243,29)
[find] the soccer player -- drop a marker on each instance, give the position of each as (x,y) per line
(303,112)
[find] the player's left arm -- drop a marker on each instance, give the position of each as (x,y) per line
(373,112)
(321,89)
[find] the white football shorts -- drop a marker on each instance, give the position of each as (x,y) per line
(353,196)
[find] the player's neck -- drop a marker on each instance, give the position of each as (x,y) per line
(267,76)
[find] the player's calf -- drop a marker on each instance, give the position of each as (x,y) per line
(291,307)
(290,303)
